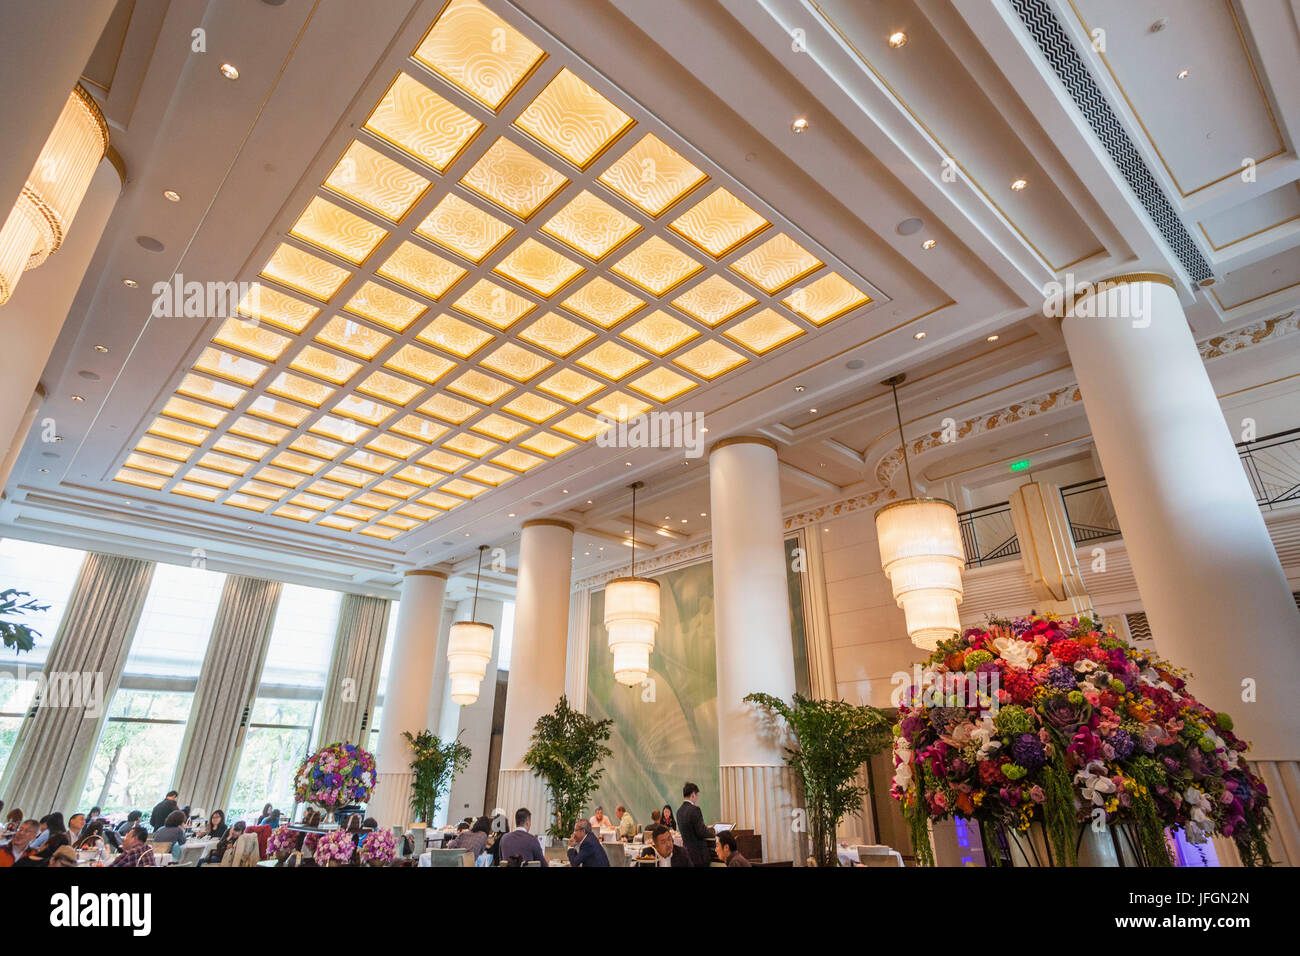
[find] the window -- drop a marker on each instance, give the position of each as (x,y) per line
(284,718)
(135,761)
(376,712)
(48,574)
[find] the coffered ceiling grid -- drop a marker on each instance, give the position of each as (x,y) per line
(331,408)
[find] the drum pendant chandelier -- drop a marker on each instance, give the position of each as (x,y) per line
(921,551)
(57,184)
(469,648)
(632,617)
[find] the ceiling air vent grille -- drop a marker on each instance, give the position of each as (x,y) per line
(1138,627)
(1064,59)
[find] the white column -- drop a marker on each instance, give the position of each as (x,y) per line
(1210,579)
(751,617)
(406,698)
(537,659)
(474,721)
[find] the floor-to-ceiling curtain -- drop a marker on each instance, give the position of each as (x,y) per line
(232,667)
(354,669)
(57,740)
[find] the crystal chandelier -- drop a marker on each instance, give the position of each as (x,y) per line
(469,648)
(57,184)
(632,617)
(921,551)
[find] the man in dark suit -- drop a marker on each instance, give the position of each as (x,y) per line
(728,852)
(584,846)
(519,842)
(165,808)
(690,823)
(665,853)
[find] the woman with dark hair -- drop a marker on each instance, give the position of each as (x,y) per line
(216,826)
(666,818)
(474,839)
(93,837)
(271,820)
(173,829)
(228,840)
(56,836)
(13,820)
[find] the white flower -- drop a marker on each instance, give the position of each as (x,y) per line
(986,736)
(1096,785)
(1015,652)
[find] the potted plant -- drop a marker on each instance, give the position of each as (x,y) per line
(434,764)
(378,848)
(567,749)
(830,741)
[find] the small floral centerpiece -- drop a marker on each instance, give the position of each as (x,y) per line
(1039,720)
(337,846)
(282,840)
(378,848)
(335,776)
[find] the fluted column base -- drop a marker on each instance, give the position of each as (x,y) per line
(1282,777)
(390,804)
(522,788)
(762,798)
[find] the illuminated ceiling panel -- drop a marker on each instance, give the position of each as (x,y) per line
(518,363)
(659,332)
(326,365)
(776,263)
(352,337)
(307,273)
(602,302)
(718,223)
(472,48)
(454,336)
(714,300)
(420,363)
(383,305)
(620,406)
(463,228)
(662,384)
(709,360)
(537,268)
(371,179)
(573,119)
(569,385)
(580,426)
(482,388)
(652,176)
(825,298)
(421,271)
(336,230)
(421,123)
(513,178)
(763,331)
(657,266)
(263,302)
(544,443)
(533,407)
(488,302)
(612,361)
(556,334)
(499,427)
(253,339)
(590,225)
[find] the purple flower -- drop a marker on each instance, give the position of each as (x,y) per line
(1027,750)
(1062,678)
(1121,741)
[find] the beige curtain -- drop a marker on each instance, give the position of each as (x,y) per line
(227,686)
(1282,777)
(56,742)
(349,701)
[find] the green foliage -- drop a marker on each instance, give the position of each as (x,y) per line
(435,765)
(832,740)
(567,750)
(18,637)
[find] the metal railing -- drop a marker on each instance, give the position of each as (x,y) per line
(988,535)
(1272,465)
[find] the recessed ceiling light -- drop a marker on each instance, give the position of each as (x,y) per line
(929,244)
(704,514)
(684,520)
(130,283)
(897,40)
(799,125)
(918,336)
(564,491)
(101,348)
(77,398)
(588,501)
(628,464)
(45,471)
(510,515)
(991,338)
(229,71)
(1184,74)
(1019,184)
(171,195)
(812,411)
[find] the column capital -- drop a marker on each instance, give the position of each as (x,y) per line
(425,572)
(547,523)
(1114,282)
(743,440)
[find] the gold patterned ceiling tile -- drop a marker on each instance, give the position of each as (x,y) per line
(369,461)
(612,361)
(294,512)
(140,478)
(254,340)
(309,274)
(337,523)
(247,503)
(478,386)
(448,409)
(263,490)
(234,367)
(443,461)
(476,51)
(296,462)
(556,334)
(826,298)
(193,412)
(271,305)
(420,364)
(363,410)
(220,462)
(471,445)
(241,447)
(420,476)
(326,365)
(336,230)
(518,363)
(652,176)
(515,459)
(348,476)
(314,502)
(178,431)
(311,445)
(533,407)
(582,426)
(421,271)
(209,390)
(300,389)
(463,228)
(356,511)
(419,512)
(438,500)
(387,534)
(498,307)
(617,405)
(572,119)
(150,463)
(398,489)
(343,430)
(776,263)
(392,445)
(389,387)
(383,305)
(662,384)
(719,223)
(763,331)
(462,488)
(710,359)
(590,225)
(602,302)
(421,123)
(258,429)
(659,333)
(513,178)
(538,268)
(349,335)
(214,478)
(489,475)
(543,443)
(714,300)
(397,521)
(191,490)
(279,476)
(570,385)
(657,266)
(413,426)
(499,427)
(452,335)
(371,179)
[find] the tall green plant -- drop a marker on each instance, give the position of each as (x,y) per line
(832,740)
(567,749)
(435,765)
(18,637)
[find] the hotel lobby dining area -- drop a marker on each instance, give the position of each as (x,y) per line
(777,434)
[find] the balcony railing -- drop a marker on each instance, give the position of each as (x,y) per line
(1272,464)
(988,535)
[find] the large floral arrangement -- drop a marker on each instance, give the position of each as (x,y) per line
(336,845)
(379,847)
(335,776)
(1056,722)
(281,839)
